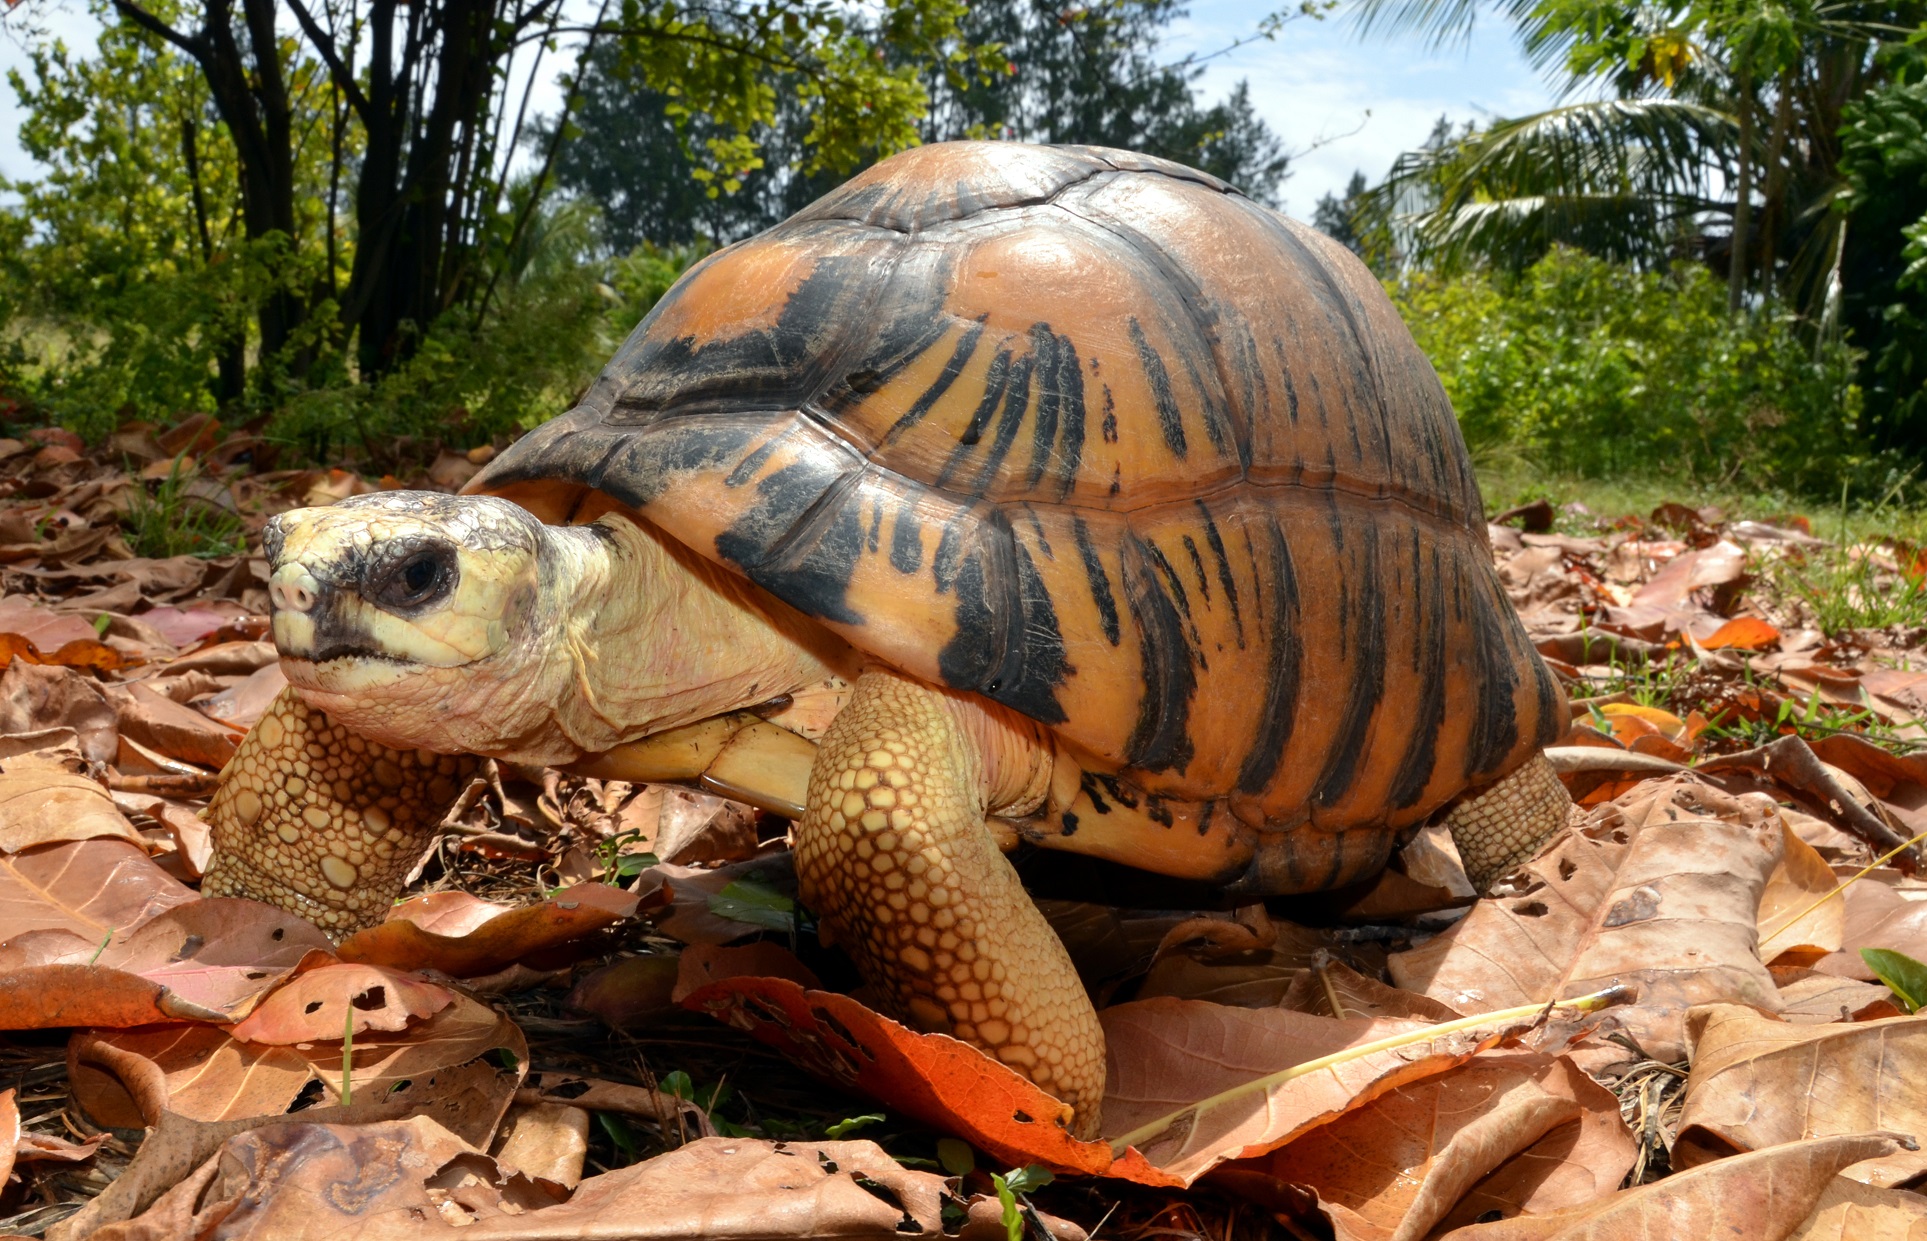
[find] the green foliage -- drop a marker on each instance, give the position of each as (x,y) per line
(1595,370)
(174,520)
(1884,266)
(1904,976)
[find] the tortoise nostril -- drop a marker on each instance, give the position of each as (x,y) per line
(292,589)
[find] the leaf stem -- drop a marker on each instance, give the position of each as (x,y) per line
(1585,1003)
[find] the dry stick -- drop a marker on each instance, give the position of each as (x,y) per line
(1585,1004)
(1856,877)
(1801,770)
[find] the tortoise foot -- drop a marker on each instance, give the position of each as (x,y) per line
(1501,827)
(321,822)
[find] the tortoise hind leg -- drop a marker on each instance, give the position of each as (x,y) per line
(893,854)
(1500,827)
(319,821)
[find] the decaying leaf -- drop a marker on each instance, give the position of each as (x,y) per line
(295,1182)
(1792,913)
(486,945)
(127,1078)
(41,805)
(1662,894)
(1757,1082)
(1762,1196)
(322,1003)
(1851,1211)
(1395,1167)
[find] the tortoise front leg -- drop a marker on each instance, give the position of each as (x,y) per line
(893,854)
(319,821)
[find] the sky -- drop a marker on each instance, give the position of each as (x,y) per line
(1341,103)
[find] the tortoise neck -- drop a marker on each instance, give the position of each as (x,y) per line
(648,636)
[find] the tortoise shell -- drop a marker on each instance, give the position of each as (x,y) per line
(1097,437)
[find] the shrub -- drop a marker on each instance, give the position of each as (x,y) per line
(1595,370)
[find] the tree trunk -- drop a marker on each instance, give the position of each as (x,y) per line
(1743,205)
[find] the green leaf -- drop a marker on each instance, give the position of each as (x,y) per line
(678,1084)
(850,1124)
(745,901)
(956,1156)
(1906,977)
(1028,1179)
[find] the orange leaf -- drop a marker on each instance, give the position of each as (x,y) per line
(939,1080)
(1632,714)
(1748,633)
(314,1007)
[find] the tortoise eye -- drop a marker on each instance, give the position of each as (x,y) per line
(419,578)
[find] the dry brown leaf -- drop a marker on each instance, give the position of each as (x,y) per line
(1757,1082)
(174,730)
(242,705)
(701,964)
(1259,979)
(33,698)
(1660,894)
(467,1101)
(1788,918)
(489,944)
(545,1141)
(1167,1055)
(1762,1196)
(460,1033)
(208,960)
(1851,1211)
(1815,998)
(41,805)
(127,1078)
(86,887)
(9,1133)
(628,994)
(1399,1164)
(320,1004)
(1330,988)
(297,1182)
(1878,916)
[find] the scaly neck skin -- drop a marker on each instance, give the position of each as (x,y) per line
(627,638)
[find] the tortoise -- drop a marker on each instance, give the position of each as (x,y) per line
(1007,493)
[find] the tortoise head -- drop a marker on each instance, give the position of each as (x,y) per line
(404,604)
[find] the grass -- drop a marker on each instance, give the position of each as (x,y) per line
(173,521)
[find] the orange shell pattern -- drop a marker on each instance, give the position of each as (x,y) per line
(1097,437)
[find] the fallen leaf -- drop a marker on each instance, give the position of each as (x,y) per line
(1401,1162)
(1851,1211)
(493,943)
(9,1133)
(942,1081)
(1661,894)
(174,730)
(86,887)
(403,1180)
(1169,1058)
(1757,1082)
(1330,988)
(701,964)
(127,1078)
(544,1141)
(1762,1196)
(1789,917)
(319,1004)
(33,698)
(629,994)
(1816,998)
(40,806)
(1747,633)
(1719,565)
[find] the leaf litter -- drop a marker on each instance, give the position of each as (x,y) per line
(564,1029)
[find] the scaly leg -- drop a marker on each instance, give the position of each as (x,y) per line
(893,854)
(319,821)
(1499,828)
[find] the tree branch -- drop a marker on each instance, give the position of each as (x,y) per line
(324,45)
(195,47)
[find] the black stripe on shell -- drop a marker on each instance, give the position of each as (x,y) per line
(1100,581)
(1007,645)
(1495,722)
(1215,542)
(1160,740)
(1365,626)
(1278,622)
(803,541)
(1429,628)
(1170,417)
(928,398)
